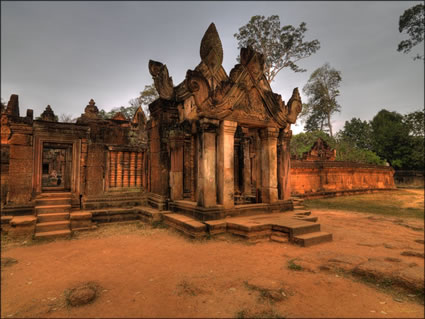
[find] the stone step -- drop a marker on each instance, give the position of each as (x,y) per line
(186,224)
(297,227)
(279,239)
(315,238)
(52,217)
(299,207)
(51,226)
(53,234)
(149,214)
(55,194)
(303,213)
(312,219)
(49,201)
(52,209)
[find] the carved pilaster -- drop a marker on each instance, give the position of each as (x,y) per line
(176,172)
(269,164)
(284,164)
(225,164)
(206,186)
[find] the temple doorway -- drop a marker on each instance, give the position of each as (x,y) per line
(56,167)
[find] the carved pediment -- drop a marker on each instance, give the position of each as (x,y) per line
(208,91)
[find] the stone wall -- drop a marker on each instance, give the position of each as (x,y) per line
(321,178)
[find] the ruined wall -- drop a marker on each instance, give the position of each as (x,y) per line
(327,178)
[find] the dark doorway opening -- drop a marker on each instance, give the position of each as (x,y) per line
(56,167)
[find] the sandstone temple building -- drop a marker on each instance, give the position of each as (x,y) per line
(216,145)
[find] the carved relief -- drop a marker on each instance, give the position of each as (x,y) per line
(163,82)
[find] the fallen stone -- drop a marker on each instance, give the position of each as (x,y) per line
(412,253)
(82,295)
(391,259)
(8,261)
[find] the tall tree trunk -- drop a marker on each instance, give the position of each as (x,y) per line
(329,124)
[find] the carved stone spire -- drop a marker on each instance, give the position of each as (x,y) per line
(91,110)
(211,50)
(13,106)
(48,115)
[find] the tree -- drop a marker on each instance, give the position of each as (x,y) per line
(147,96)
(390,138)
(415,122)
(66,118)
(345,151)
(322,91)
(281,47)
(358,133)
(412,21)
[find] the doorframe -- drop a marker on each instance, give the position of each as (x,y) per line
(38,160)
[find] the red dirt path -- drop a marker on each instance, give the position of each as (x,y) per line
(159,273)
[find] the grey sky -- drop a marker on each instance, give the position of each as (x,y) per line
(65,53)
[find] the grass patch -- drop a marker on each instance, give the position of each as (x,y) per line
(269,313)
(186,288)
(400,203)
(293,266)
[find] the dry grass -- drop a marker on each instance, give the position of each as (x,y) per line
(403,203)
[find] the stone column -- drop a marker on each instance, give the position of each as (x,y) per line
(119,169)
(132,169)
(139,169)
(176,171)
(269,164)
(284,162)
(225,164)
(125,168)
(206,185)
(246,178)
(113,169)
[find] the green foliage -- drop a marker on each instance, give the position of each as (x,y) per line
(358,133)
(390,138)
(415,122)
(281,47)
(293,266)
(302,142)
(346,151)
(322,89)
(412,22)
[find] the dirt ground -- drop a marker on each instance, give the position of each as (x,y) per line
(147,272)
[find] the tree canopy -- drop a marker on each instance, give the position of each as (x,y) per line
(147,96)
(322,89)
(282,47)
(412,21)
(358,133)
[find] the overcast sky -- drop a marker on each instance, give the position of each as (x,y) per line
(65,53)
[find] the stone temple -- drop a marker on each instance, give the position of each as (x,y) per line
(215,147)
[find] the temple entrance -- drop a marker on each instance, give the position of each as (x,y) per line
(56,167)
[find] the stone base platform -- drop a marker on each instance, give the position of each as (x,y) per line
(297,227)
(189,208)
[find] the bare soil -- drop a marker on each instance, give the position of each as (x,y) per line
(146,272)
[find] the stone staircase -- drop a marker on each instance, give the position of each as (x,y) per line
(307,238)
(52,212)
